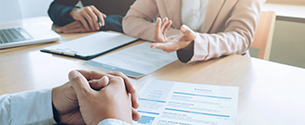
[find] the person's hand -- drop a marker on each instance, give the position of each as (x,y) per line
(92,75)
(89,15)
(112,101)
(74,27)
(174,42)
(66,103)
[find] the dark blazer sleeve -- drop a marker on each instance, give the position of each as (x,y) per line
(59,11)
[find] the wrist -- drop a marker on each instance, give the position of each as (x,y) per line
(55,112)
(72,13)
(186,54)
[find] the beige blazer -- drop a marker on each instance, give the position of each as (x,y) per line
(228,28)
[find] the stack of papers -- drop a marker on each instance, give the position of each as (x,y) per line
(176,103)
(135,61)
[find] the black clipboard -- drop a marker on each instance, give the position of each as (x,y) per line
(91,46)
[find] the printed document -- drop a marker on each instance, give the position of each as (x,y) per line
(176,103)
(135,61)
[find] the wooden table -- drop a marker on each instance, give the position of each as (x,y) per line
(269,93)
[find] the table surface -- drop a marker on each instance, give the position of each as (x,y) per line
(269,93)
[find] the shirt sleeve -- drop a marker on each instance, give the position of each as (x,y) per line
(59,11)
(29,107)
(110,121)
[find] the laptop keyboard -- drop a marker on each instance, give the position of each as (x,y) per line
(13,35)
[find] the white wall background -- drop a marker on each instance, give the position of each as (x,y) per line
(20,9)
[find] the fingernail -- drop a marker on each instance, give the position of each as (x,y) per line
(73,74)
(152,46)
(183,28)
(104,79)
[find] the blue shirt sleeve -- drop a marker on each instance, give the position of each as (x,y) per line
(59,11)
(29,107)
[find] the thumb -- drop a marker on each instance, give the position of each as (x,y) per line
(187,32)
(98,84)
(79,83)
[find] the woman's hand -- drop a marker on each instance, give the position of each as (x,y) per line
(174,42)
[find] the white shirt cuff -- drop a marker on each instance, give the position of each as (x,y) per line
(110,121)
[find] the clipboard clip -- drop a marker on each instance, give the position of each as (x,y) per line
(66,51)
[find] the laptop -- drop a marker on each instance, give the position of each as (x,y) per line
(26,35)
(91,46)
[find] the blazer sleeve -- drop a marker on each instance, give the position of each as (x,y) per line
(237,37)
(29,107)
(138,20)
(59,11)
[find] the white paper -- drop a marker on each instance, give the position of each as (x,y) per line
(176,103)
(139,59)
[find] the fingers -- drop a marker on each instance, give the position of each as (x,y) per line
(130,88)
(165,21)
(69,26)
(167,47)
(79,83)
(100,15)
(161,29)
(79,30)
(158,30)
(90,75)
(89,17)
(98,84)
(95,14)
(117,83)
(93,75)
(166,27)
(135,115)
(74,27)
(84,22)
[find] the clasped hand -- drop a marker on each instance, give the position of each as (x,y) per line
(86,20)
(174,42)
(90,97)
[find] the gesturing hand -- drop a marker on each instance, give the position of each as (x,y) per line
(174,42)
(112,101)
(89,15)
